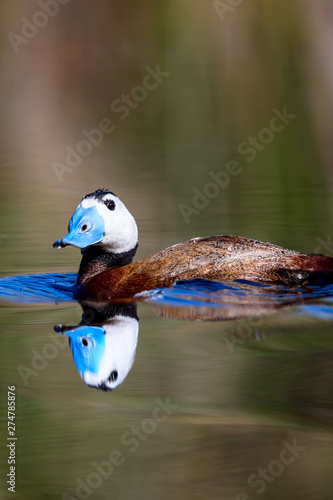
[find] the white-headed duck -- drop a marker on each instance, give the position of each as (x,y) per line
(107,235)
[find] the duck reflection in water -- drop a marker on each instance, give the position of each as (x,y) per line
(103,345)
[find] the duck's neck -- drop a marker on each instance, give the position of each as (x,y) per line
(96,259)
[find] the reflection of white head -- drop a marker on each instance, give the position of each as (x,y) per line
(120,229)
(121,337)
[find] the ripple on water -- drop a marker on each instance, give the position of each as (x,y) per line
(316,301)
(49,287)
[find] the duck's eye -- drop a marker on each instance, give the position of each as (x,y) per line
(86,342)
(110,204)
(113,376)
(85,227)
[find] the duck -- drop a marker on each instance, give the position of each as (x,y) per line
(107,235)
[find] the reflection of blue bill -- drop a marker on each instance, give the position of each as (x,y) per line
(104,355)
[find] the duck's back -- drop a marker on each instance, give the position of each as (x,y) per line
(213,257)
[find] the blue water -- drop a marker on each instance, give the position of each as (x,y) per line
(51,287)
(315,301)
(200,292)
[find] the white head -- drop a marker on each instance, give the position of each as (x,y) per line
(101,219)
(104,355)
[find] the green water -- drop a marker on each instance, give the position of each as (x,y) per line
(227,407)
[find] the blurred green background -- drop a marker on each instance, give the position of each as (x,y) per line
(228,68)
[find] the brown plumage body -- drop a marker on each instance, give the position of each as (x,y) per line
(214,257)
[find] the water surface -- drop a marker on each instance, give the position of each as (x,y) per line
(221,378)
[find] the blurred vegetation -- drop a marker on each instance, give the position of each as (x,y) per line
(225,77)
